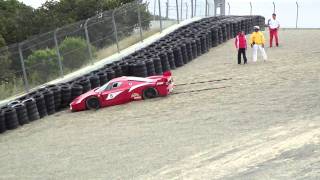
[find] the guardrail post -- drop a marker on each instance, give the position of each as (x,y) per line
(177,8)
(25,78)
(115,30)
(139,19)
(160,18)
(88,40)
(297,14)
(58,51)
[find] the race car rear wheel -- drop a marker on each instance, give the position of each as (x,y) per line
(150,93)
(92,103)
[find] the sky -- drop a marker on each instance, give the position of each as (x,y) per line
(33,3)
(309,13)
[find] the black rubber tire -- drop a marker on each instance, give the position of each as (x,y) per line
(2,123)
(13,103)
(32,109)
(140,69)
(124,68)
(49,100)
(157,65)
(57,97)
(150,93)
(150,67)
(110,73)
(65,95)
(102,78)
(11,118)
(22,113)
(94,81)
(117,70)
(93,103)
(85,83)
(76,90)
(41,105)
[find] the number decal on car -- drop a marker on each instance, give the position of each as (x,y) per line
(113,95)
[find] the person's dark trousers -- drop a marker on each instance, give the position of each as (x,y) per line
(243,52)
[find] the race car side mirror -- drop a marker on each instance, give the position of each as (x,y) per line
(167,73)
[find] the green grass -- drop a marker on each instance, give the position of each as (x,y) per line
(124,43)
(13,88)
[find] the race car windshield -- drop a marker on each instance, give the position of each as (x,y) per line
(109,86)
(104,87)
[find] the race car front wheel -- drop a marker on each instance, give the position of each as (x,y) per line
(150,93)
(92,103)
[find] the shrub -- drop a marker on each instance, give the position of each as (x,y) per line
(75,52)
(5,63)
(42,65)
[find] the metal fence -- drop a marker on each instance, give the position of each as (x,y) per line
(291,14)
(52,55)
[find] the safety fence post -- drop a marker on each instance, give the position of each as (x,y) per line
(58,51)
(115,30)
(177,8)
(25,78)
(187,9)
(181,4)
(139,19)
(206,9)
(88,40)
(154,10)
(167,9)
(195,7)
(160,18)
(191,8)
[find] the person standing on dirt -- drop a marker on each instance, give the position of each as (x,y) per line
(241,45)
(257,43)
(274,26)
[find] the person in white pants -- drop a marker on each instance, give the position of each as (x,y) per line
(257,47)
(257,43)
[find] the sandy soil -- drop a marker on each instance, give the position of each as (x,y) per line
(264,125)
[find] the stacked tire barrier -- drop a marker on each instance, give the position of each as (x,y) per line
(168,53)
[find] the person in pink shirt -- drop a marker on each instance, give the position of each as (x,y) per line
(241,45)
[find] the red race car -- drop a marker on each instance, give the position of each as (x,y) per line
(122,90)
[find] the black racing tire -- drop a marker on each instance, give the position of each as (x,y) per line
(93,103)
(150,93)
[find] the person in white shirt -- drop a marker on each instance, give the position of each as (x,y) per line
(274,26)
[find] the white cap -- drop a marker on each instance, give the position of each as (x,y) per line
(256,27)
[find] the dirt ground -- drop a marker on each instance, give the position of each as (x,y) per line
(264,124)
